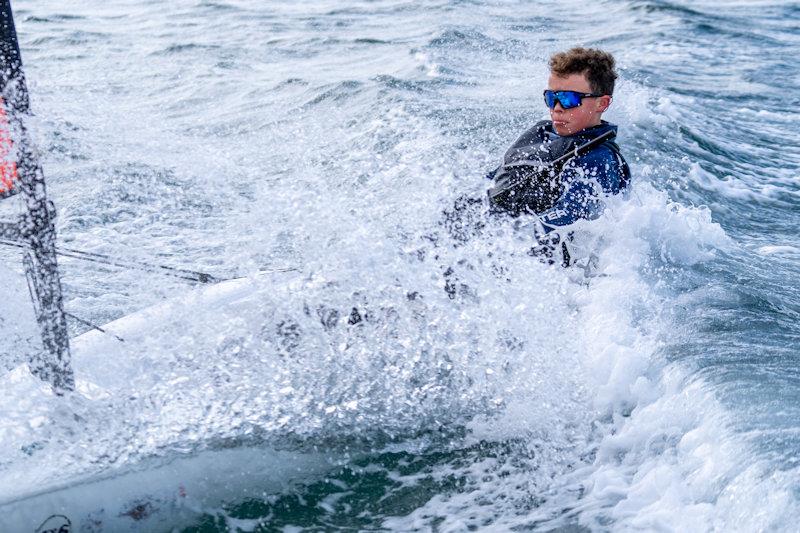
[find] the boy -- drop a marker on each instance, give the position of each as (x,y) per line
(532,178)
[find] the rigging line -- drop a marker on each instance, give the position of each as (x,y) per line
(13,243)
(181,273)
(93,326)
(193,276)
(202,277)
(189,275)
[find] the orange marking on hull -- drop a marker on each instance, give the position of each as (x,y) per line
(8,169)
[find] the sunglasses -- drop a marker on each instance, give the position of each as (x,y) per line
(567,99)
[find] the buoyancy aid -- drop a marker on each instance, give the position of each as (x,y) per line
(535,163)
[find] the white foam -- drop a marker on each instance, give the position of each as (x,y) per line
(778,249)
(629,439)
(20,333)
(668,458)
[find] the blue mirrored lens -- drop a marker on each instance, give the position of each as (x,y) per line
(567,99)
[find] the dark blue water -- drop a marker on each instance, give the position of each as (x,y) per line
(661,394)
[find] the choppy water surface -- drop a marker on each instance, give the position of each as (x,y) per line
(327,137)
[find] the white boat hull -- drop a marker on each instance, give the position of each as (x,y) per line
(157,493)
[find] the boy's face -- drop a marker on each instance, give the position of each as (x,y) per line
(586,115)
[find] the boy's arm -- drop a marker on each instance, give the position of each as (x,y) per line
(580,201)
(591,177)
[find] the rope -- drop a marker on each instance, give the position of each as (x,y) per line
(93,326)
(182,273)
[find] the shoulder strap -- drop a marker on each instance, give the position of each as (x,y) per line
(506,181)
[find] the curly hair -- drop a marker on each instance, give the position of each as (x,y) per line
(598,66)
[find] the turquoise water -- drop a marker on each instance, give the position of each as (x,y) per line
(659,394)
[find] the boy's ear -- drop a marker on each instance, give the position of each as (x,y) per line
(603,103)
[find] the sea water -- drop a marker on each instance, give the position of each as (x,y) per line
(658,391)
